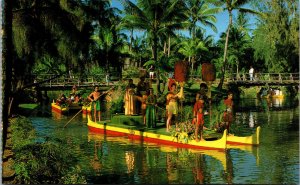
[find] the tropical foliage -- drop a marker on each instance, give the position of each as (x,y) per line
(41,160)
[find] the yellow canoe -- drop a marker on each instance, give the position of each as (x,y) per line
(153,135)
(58,108)
(86,109)
(64,109)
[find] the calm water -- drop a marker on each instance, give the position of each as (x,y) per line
(107,159)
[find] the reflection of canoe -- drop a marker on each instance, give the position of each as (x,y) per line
(219,155)
(157,135)
(277,96)
(250,140)
(254,150)
(63,110)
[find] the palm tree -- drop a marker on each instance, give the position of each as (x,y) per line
(190,48)
(51,28)
(230,5)
(199,11)
(157,17)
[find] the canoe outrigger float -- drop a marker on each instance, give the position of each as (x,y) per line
(247,140)
(65,109)
(236,140)
(157,135)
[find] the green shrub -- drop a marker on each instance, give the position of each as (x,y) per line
(132,72)
(47,162)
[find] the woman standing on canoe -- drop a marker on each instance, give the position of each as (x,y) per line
(150,109)
(94,97)
(129,98)
(172,105)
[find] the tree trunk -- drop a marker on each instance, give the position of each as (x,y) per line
(225,52)
(165,47)
(131,39)
(6,67)
(169,46)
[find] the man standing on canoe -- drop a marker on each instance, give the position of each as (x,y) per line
(228,114)
(199,117)
(94,97)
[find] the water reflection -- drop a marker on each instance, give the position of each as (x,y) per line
(277,102)
(119,160)
(96,162)
(198,169)
(129,158)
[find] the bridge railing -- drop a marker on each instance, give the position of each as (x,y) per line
(92,80)
(264,77)
(67,80)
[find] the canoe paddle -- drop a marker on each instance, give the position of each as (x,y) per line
(87,105)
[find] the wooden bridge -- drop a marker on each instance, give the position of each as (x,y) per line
(262,79)
(259,79)
(51,81)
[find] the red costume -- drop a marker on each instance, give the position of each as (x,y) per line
(200,117)
(227,116)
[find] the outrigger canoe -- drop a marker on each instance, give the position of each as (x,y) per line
(65,109)
(238,140)
(155,135)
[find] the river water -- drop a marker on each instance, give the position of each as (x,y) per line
(105,159)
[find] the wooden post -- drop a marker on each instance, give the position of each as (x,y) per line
(209,97)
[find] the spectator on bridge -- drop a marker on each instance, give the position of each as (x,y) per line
(251,72)
(151,72)
(107,79)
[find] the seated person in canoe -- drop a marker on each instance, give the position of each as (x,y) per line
(75,96)
(62,100)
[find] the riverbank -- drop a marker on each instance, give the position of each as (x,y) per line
(8,172)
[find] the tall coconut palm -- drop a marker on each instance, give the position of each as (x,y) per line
(200,11)
(156,17)
(190,48)
(230,6)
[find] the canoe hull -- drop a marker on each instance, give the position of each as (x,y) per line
(86,109)
(145,135)
(59,109)
(64,110)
